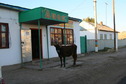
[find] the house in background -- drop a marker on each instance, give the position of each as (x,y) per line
(29,34)
(105,36)
(104,32)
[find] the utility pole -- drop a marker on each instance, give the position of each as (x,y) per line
(96,30)
(106,12)
(114,25)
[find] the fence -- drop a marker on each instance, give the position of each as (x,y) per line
(104,43)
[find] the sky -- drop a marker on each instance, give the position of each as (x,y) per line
(81,9)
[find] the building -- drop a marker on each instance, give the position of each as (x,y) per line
(29,34)
(104,32)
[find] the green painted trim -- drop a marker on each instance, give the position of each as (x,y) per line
(43,13)
(39,44)
(85,44)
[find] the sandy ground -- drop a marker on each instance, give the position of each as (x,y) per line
(92,68)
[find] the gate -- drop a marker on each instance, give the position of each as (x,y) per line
(83,44)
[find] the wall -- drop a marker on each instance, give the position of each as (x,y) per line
(90,34)
(122,43)
(87,29)
(11,55)
(104,43)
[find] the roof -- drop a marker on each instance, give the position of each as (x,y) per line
(75,19)
(102,27)
(45,15)
(18,8)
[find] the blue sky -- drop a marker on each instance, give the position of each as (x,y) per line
(81,9)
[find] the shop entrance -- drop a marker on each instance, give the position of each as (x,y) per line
(35,44)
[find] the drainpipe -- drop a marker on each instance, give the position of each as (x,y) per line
(39,44)
(47,42)
(21,47)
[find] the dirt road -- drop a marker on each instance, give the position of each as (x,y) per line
(94,68)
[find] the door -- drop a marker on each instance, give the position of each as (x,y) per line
(26,45)
(35,44)
(83,44)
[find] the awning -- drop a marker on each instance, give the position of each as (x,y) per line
(45,15)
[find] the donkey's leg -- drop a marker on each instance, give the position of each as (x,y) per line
(64,60)
(61,61)
(75,59)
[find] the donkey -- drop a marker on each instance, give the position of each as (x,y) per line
(66,51)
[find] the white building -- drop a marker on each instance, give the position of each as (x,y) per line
(25,46)
(104,32)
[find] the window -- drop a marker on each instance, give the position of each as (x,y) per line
(4,35)
(57,35)
(69,36)
(105,36)
(101,36)
(111,36)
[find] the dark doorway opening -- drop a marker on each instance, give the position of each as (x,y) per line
(35,44)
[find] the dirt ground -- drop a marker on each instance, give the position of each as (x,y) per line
(92,68)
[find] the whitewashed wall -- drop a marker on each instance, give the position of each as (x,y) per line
(90,34)
(11,55)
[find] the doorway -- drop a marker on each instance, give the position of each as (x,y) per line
(35,44)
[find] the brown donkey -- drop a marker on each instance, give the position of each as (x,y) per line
(66,51)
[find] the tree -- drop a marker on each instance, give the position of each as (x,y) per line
(88,19)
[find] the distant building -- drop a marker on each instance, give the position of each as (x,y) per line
(104,32)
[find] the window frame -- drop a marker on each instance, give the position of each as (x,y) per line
(55,34)
(67,35)
(6,35)
(105,36)
(110,36)
(101,36)
(62,35)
